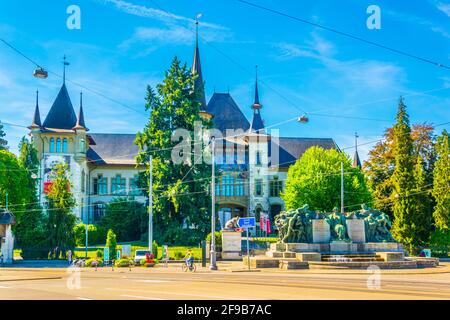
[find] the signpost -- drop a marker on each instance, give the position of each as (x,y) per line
(106,255)
(246,223)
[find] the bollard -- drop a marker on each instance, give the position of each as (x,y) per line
(203,253)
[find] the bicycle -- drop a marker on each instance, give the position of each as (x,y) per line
(191,267)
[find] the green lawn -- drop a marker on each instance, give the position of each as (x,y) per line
(139,245)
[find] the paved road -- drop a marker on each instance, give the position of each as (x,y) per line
(171,283)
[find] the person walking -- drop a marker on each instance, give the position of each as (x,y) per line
(69,257)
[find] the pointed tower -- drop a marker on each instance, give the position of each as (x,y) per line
(257,125)
(80,121)
(199,85)
(36,123)
(356,160)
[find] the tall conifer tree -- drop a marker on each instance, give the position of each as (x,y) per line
(181,200)
(405,227)
(441,185)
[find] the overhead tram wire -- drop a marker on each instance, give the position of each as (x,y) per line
(71,81)
(345,34)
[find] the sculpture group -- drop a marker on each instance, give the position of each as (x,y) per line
(295,226)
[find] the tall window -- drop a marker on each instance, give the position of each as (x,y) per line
(239,186)
(99,211)
(83,181)
(134,186)
(227,186)
(118,185)
(52,145)
(258,158)
(64,146)
(276,187)
(82,145)
(58,145)
(217,186)
(100,185)
(258,187)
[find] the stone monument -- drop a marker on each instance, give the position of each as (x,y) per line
(231,241)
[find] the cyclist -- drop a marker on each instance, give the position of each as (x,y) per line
(189,257)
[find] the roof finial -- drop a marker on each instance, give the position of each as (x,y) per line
(37,98)
(65,63)
(81,99)
(356,141)
(199,15)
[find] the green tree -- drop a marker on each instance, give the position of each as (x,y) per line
(423,203)
(180,194)
(315,180)
(3,142)
(30,228)
(405,228)
(13,182)
(95,235)
(441,186)
(61,220)
(111,243)
(127,218)
(380,165)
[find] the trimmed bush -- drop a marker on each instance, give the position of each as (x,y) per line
(90,263)
(122,263)
(155,248)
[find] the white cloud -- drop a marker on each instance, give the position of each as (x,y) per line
(157,14)
(444,7)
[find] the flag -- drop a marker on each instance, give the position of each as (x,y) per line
(261,222)
(267,225)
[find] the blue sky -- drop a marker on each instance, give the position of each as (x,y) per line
(124,45)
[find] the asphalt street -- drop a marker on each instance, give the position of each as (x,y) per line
(228,284)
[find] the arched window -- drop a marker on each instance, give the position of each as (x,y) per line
(58,145)
(52,145)
(64,146)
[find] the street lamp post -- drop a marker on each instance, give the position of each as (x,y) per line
(213,265)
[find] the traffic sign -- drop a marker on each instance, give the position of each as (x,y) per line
(248,222)
(106,254)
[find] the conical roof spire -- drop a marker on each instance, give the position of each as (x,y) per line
(356,159)
(80,122)
(199,84)
(256,103)
(61,114)
(257,124)
(36,123)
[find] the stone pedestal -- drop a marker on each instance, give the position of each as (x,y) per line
(356,230)
(321,231)
(7,244)
(231,245)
